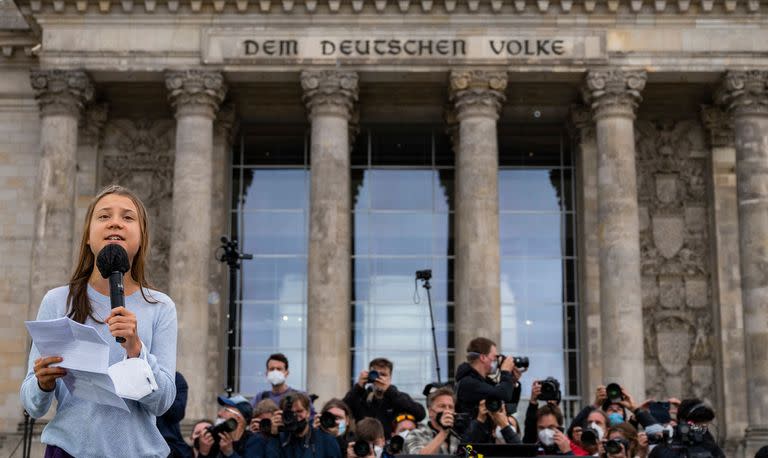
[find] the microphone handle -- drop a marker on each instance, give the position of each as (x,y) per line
(116,295)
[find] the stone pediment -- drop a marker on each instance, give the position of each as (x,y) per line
(416,7)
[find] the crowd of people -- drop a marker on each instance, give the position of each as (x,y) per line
(374,419)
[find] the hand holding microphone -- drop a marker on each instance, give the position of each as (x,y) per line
(112,263)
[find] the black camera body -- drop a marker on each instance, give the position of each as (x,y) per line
(589,436)
(493,405)
(614,393)
(265,426)
(521,362)
(327,420)
(395,445)
(425,274)
(290,422)
(361,448)
(460,421)
(550,390)
(227,426)
(614,445)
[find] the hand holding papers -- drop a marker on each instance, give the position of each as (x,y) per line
(86,357)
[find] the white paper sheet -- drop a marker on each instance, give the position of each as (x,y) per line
(85,356)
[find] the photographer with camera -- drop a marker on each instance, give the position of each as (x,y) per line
(229,434)
(295,436)
(261,427)
(492,422)
(621,442)
(336,419)
(436,437)
(472,377)
(541,390)
(374,396)
(197,432)
(691,437)
(369,441)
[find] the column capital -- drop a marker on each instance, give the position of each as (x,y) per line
(61,91)
(613,92)
(330,92)
(744,93)
(195,92)
(719,125)
(477,93)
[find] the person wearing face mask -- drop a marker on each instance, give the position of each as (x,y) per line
(691,437)
(404,423)
(229,444)
(277,374)
(472,382)
(370,431)
(436,437)
(298,438)
(549,426)
(488,427)
(343,428)
(593,432)
(375,396)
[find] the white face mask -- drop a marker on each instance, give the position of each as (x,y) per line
(498,434)
(404,433)
(378,450)
(276,377)
(599,430)
(547,436)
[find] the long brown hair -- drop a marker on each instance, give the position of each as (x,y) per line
(79,306)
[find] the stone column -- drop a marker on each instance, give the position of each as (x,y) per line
(61,96)
(89,136)
(745,96)
(195,97)
(731,381)
(613,96)
(477,97)
(583,132)
(330,97)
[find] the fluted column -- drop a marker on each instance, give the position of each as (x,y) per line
(195,97)
(745,96)
(613,96)
(477,97)
(330,97)
(62,96)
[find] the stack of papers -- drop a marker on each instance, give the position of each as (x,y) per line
(86,357)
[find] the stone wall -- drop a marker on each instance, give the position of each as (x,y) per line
(139,154)
(675,242)
(19,152)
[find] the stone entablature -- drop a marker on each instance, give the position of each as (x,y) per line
(731,7)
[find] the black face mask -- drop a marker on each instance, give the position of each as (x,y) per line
(300,426)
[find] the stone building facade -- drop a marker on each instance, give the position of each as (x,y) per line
(665,104)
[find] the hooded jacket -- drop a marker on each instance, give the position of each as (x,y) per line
(471,388)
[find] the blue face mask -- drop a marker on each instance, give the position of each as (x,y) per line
(615,418)
(342,427)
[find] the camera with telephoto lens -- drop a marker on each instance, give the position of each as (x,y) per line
(550,390)
(395,445)
(613,390)
(226,426)
(361,448)
(493,405)
(327,420)
(589,436)
(614,445)
(425,274)
(521,362)
(290,422)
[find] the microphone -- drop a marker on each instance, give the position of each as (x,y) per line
(112,262)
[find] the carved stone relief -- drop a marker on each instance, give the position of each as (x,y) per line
(139,154)
(671,164)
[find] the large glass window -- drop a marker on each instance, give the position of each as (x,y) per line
(402,222)
(270,207)
(538,258)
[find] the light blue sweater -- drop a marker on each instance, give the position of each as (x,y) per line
(86,429)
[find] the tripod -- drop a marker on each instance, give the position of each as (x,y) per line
(232,256)
(426,275)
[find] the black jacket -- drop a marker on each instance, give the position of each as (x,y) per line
(392,404)
(316,444)
(471,388)
(484,433)
(168,423)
